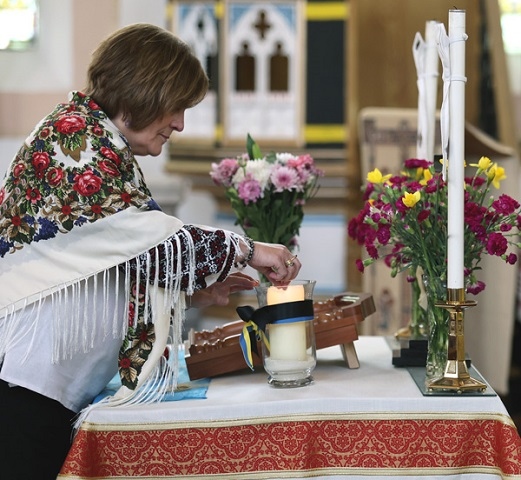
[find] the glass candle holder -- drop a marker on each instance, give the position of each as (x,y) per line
(289,353)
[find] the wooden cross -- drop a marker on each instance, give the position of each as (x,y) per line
(262,25)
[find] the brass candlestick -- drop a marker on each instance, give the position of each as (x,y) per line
(456,376)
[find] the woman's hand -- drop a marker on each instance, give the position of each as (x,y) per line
(275,262)
(218,293)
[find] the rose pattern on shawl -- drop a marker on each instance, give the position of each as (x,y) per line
(42,190)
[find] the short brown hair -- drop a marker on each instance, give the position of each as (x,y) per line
(144,72)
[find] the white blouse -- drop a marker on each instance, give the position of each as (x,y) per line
(75,381)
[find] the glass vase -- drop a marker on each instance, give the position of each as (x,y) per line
(438,326)
(289,353)
(418,324)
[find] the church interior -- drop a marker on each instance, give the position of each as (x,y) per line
(333,79)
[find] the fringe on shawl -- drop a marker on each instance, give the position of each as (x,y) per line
(163,378)
(72,326)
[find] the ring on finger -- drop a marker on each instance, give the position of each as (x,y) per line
(290,262)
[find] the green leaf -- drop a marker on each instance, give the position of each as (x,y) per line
(252,148)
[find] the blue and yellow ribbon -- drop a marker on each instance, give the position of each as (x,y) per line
(256,321)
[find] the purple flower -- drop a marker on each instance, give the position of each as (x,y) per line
(505,205)
(476,288)
(512,259)
(497,244)
(249,190)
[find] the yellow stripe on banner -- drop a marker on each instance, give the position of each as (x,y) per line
(327,11)
(325,133)
(218,9)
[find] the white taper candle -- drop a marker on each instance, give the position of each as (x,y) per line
(456,168)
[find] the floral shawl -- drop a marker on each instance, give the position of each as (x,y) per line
(74,204)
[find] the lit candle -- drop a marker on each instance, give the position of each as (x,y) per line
(287,340)
(456,168)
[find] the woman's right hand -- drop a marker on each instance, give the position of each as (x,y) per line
(275,262)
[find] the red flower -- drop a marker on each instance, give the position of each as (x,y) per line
(98,131)
(125,363)
(96,208)
(126,197)
(44,133)
(54,176)
(66,209)
(40,161)
(110,154)
(33,195)
(18,170)
(87,183)
(69,124)
(109,168)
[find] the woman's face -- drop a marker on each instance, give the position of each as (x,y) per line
(151,139)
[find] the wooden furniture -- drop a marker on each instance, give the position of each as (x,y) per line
(216,352)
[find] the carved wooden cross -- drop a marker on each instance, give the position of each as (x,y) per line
(262,25)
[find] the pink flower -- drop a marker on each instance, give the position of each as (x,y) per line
(285,178)
(249,190)
(223,172)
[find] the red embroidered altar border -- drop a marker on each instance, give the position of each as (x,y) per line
(431,446)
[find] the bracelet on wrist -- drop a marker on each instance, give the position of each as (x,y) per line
(247,258)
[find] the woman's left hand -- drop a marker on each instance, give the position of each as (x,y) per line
(219,292)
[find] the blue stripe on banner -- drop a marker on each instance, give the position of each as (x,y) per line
(293,320)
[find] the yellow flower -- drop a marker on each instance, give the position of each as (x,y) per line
(376,177)
(427,175)
(484,164)
(496,174)
(411,199)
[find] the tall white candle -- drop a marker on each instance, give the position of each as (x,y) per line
(456,169)
(425,53)
(287,340)
(431,85)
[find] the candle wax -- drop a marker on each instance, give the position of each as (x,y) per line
(287,340)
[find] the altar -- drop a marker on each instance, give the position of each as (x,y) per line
(373,421)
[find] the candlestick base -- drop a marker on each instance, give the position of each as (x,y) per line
(456,376)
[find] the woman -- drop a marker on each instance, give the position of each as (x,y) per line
(94,275)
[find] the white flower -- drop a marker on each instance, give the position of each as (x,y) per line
(284,157)
(259,170)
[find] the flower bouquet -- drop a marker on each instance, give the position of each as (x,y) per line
(268,192)
(404,222)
